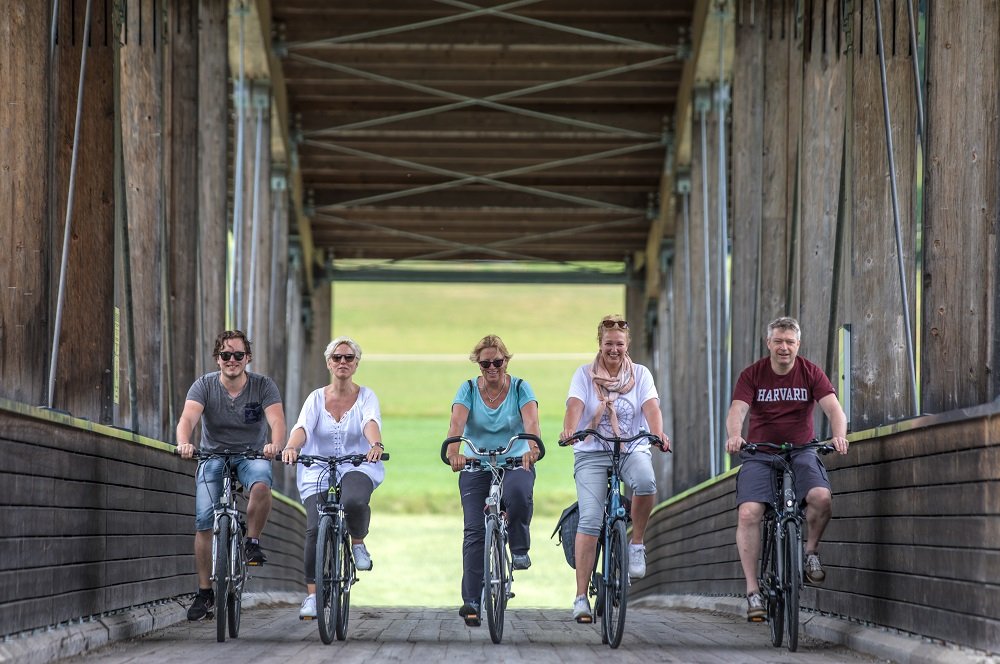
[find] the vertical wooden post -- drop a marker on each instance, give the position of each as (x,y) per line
(25,251)
(880,375)
(142,131)
(213,178)
(961,334)
(277,302)
(262,252)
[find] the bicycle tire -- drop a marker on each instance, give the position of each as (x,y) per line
(344,564)
(617,584)
(326,605)
(495,577)
(222,580)
(238,566)
(793,581)
(771,584)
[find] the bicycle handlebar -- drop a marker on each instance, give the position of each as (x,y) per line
(355,459)
(583,433)
(227,454)
(822,448)
(491,453)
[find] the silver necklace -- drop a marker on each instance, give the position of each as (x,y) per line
(492,400)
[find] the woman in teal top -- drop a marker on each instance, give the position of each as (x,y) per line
(489,410)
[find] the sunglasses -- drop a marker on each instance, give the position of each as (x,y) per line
(485,364)
(337,357)
(615,323)
(238,355)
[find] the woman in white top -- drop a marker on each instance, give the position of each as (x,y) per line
(340,418)
(617,397)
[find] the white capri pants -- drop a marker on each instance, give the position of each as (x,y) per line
(590,469)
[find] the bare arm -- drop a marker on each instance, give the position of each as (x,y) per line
(529,424)
(374,437)
(654,418)
(838,421)
(459,416)
(185,427)
(734,425)
(275,414)
(574,410)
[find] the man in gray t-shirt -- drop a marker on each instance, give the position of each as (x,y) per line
(237,410)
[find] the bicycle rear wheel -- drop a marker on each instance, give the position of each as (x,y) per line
(495,576)
(616,586)
(222,579)
(326,603)
(234,606)
(344,564)
(793,581)
(771,584)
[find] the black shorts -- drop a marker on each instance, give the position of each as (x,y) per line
(755,481)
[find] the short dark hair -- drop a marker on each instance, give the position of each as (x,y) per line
(227,335)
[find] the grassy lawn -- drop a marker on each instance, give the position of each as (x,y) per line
(416,339)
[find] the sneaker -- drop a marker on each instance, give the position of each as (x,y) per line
(581,610)
(636,560)
(203,604)
(362,559)
(520,561)
(756,607)
(308,609)
(470,613)
(814,569)
(255,555)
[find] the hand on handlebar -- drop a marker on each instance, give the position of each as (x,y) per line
(840,444)
(185,450)
(734,444)
(289,455)
(457,462)
(272,451)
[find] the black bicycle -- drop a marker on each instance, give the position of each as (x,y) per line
(497,565)
(335,568)
(229,527)
(781,558)
(609,582)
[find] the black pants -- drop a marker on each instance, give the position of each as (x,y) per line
(355,494)
(518,486)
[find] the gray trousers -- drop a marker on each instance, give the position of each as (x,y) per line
(518,487)
(355,494)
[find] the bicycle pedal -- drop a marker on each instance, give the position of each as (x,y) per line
(307,617)
(759,619)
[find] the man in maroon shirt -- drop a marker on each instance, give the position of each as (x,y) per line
(779,391)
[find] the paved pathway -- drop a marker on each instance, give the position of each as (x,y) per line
(417,635)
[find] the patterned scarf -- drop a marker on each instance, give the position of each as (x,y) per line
(609,387)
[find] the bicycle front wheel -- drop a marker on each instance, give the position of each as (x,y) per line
(326,570)
(616,584)
(222,579)
(344,564)
(771,585)
(793,581)
(495,576)
(238,574)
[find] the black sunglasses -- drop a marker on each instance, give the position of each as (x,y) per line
(612,323)
(337,357)
(238,355)
(485,364)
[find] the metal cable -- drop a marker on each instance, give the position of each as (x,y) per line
(255,218)
(725,356)
(713,463)
(895,209)
(916,72)
(239,98)
(68,228)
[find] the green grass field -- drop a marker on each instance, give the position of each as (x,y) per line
(416,340)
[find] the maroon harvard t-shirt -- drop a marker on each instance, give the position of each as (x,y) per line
(781,406)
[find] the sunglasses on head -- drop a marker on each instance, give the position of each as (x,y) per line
(613,323)
(485,364)
(337,357)
(237,355)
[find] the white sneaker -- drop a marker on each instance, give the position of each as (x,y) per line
(308,610)
(581,610)
(362,559)
(637,560)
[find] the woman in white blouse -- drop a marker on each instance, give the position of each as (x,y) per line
(340,418)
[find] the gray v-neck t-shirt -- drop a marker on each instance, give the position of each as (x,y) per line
(234,423)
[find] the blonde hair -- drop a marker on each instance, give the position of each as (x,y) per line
(614,318)
(332,346)
(489,341)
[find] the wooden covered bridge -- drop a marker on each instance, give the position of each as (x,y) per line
(168,166)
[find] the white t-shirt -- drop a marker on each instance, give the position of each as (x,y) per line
(329,437)
(627,406)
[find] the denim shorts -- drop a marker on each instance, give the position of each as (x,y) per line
(208,485)
(755,482)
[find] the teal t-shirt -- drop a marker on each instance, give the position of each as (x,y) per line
(491,428)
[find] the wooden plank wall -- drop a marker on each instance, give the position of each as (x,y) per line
(912,544)
(962,207)
(94,521)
